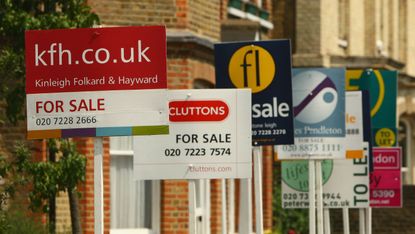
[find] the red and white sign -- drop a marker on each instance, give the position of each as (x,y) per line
(85,82)
(92,59)
(210,137)
(385,180)
(194,111)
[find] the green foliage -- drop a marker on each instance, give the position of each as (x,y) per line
(46,178)
(17,16)
(286,220)
(17,223)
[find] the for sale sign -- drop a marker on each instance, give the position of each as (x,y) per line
(209,138)
(319,115)
(92,59)
(346,183)
(96,82)
(265,67)
(385,180)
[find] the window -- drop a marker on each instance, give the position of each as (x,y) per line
(135,205)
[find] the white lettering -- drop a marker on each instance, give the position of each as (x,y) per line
(142,53)
(38,57)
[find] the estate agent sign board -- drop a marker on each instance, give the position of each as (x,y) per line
(265,67)
(210,137)
(89,82)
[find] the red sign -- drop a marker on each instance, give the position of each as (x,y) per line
(191,111)
(386,158)
(385,180)
(94,59)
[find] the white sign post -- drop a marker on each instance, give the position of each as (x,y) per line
(245,206)
(258,189)
(319,191)
(192,207)
(312,196)
(224,214)
(98,186)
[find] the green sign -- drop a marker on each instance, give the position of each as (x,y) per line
(382,86)
(295,173)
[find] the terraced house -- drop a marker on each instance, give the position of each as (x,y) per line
(323,33)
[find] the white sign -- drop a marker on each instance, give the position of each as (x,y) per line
(346,183)
(354,125)
(98,113)
(210,137)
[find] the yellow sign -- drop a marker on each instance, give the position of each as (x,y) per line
(252,67)
(385,137)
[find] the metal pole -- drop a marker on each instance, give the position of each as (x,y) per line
(231,206)
(312,196)
(224,214)
(327,221)
(258,190)
(98,187)
(362,225)
(319,191)
(346,223)
(245,207)
(192,206)
(368,220)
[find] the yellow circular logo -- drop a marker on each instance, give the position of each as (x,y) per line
(252,67)
(385,137)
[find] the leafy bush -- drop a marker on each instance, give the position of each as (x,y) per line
(16,222)
(286,220)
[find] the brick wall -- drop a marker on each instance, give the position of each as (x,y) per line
(198,16)
(174,207)
(308,29)
(204,18)
(144,12)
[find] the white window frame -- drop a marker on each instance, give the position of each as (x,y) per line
(408,170)
(155,198)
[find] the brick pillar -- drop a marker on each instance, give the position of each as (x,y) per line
(216,206)
(267,182)
(174,207)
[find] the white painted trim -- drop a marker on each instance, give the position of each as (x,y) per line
(245,206)
(231,206)
(192,206)
(224,207)
(259,220)
(409,167)
(252,17)
(237,12)
(128,153)
(243,15)
(156,206)
(131,231)
(206,210)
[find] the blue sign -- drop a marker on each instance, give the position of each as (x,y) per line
(319,115)
(265,67)
(319,102)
